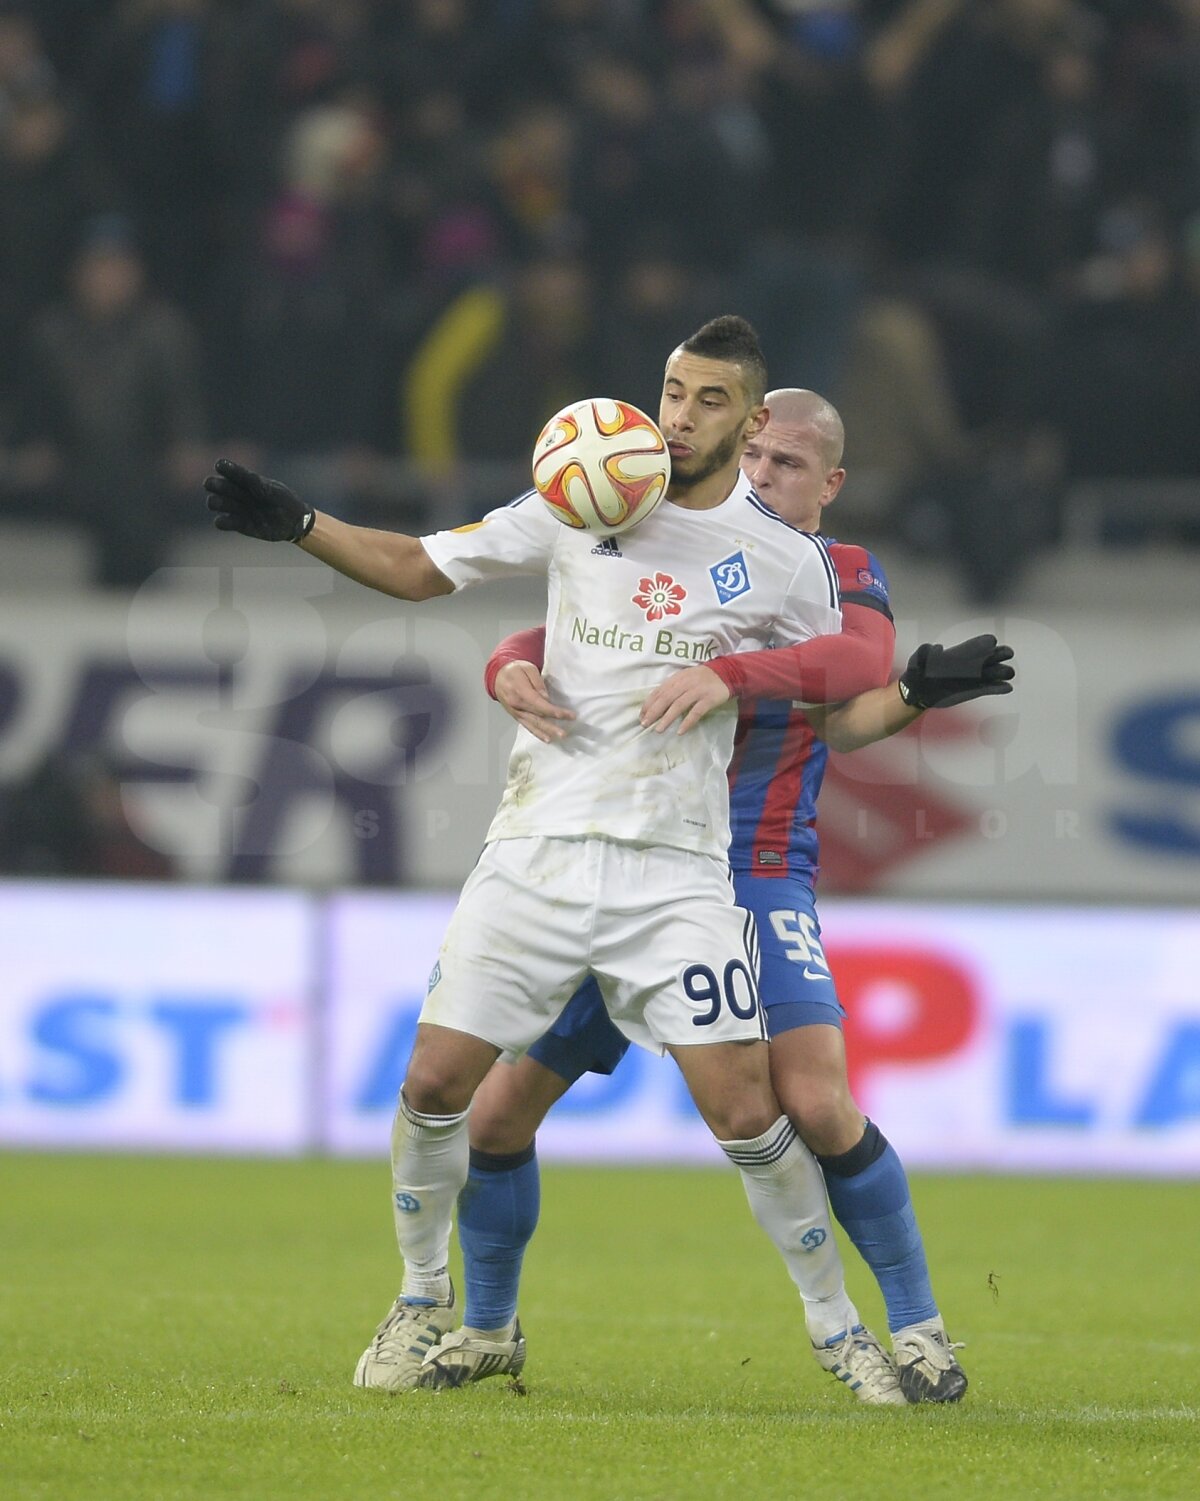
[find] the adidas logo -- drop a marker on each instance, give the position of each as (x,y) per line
(609,548)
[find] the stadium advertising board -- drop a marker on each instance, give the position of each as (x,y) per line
(1009,1038)
(1025,1038)
(1001,1038)
(139,1017)
(278,723)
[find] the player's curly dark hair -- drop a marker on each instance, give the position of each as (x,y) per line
(732,339)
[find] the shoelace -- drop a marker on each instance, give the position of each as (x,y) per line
(401,1313)
(867,1343)
(881,1374)
(946,1349)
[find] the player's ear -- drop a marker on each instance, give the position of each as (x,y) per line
(756,421)
(834,481)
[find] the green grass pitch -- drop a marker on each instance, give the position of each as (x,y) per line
(184,1329)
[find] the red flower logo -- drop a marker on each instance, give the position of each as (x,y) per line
(659,596)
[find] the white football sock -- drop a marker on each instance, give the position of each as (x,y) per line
(429,1166)
(787,1198)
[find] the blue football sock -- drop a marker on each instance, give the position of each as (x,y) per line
(497,1215)
(868,1193)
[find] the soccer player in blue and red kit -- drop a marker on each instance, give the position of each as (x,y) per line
(774,779)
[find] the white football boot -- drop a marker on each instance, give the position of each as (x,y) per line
(392,1361)
(859,1360)
(926,1363)
(466,1355)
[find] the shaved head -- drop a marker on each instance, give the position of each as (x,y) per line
(799,408)
(795,461)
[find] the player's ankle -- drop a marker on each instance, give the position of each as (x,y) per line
(498,1335)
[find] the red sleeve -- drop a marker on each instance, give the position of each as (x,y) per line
(825,670)
(521,646)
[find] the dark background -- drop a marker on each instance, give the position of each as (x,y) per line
(369,247)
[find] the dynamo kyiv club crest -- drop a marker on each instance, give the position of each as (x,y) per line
(730,577)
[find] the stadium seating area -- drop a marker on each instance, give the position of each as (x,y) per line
(324,234)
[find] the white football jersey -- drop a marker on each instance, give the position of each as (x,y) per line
(624,613)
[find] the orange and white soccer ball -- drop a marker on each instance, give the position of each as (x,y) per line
(602,465)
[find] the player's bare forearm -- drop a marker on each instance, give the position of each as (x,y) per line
(391,562)
(249,503)
(870,717)
(937,677)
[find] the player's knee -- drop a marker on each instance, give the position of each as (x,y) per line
(445,1070)
(498,1133)
(436,1086)
(738,1120)
(824,1113)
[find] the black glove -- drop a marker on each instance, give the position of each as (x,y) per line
(939,676)
(246,502)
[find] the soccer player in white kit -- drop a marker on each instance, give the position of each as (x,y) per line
(607,854)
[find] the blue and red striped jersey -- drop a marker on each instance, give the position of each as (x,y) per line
(778,763)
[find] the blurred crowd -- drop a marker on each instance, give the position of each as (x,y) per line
(377,244)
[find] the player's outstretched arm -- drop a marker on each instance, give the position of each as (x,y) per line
(937,677)
(870,717)
(259,507)
(388,561)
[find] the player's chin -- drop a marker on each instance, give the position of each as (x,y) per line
(687,471)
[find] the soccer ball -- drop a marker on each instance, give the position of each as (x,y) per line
(601,465)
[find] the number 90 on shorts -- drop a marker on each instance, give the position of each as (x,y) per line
(736,990)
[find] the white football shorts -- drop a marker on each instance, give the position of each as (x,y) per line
(675,958)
